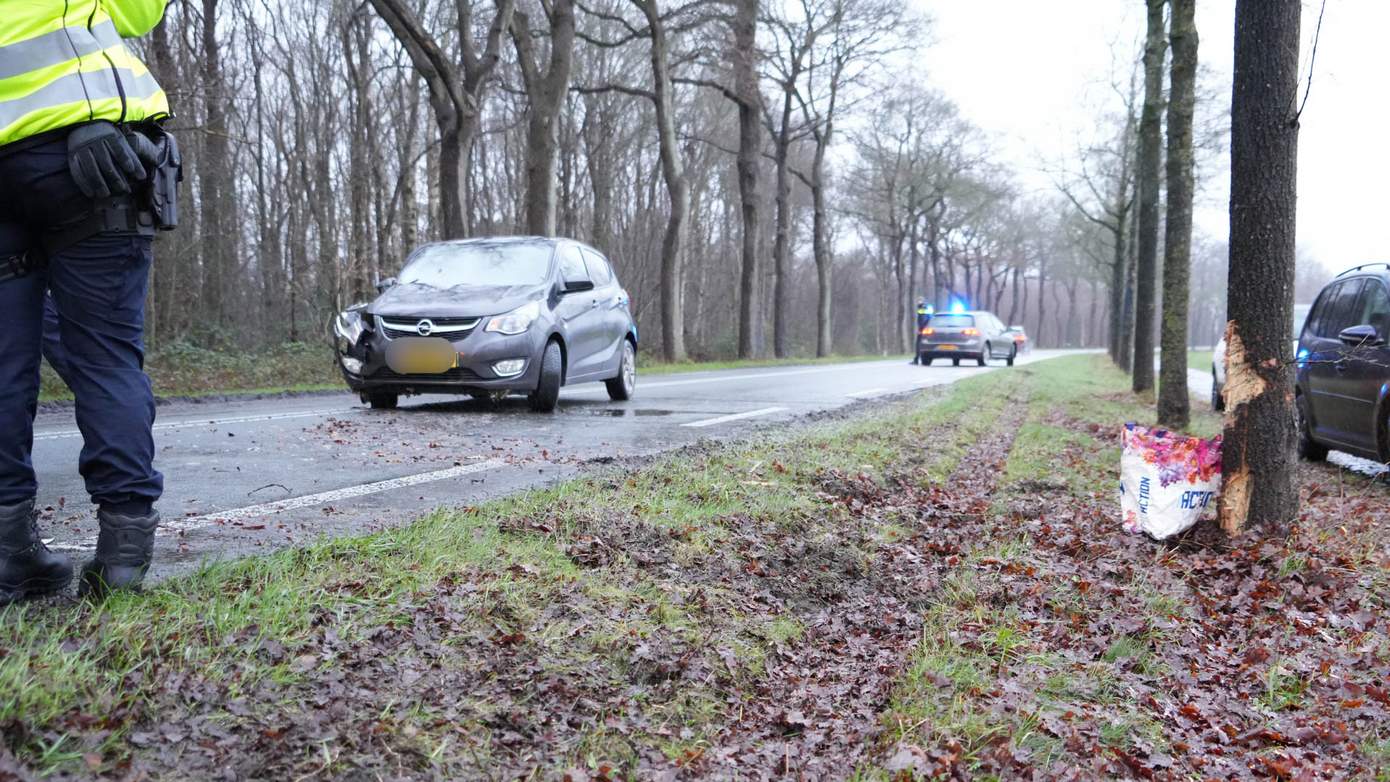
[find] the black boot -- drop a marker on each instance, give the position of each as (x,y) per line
(27,567)
(125,547)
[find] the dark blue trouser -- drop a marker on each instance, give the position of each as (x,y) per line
(98,287)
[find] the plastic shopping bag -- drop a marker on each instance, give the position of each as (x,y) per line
(1167,480)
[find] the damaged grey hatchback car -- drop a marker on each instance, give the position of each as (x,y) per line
(490,317)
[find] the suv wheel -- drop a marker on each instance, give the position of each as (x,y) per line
(1013,354)
(621,388)
(1308,448)
(547,392)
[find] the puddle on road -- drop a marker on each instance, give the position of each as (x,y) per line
(608,412)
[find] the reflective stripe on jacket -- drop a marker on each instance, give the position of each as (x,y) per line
(63,62)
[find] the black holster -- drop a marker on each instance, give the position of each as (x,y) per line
(159,193)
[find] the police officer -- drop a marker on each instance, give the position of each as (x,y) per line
(924,313)
(88,176)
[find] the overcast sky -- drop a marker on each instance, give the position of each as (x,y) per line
(1032,72)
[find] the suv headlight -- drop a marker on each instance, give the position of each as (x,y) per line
(348,327)
(517,321)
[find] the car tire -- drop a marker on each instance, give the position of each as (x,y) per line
(1013,354)
(547,393)
(383,401)
(622,387)
(955,362)
(926,361)
(1217,403)
(1308,448)
(987,353)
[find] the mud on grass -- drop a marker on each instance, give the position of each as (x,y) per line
(639,623)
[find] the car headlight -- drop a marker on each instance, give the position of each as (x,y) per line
(348,327)
(517,321)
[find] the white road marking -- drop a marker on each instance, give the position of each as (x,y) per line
(723,419)
(726,378)
(243,419)
(867,393)
(308,500)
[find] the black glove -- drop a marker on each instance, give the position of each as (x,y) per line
(101,160)
(145,150)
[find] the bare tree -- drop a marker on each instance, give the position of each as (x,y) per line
(1173,405)
(455,92)
(1258,461)
(1150,164)
(546,91)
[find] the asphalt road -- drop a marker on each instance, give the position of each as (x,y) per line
(248,476)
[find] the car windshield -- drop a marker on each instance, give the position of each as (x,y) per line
(481,263)
(953,321)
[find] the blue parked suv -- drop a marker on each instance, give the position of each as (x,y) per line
(1343,379)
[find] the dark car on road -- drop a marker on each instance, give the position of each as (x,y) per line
(1342,392)
(976,335)
(490,317)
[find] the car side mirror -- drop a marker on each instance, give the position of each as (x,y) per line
(1360,336)
(382,285)
(577,286)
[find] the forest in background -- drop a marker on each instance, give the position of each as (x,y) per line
(769,177)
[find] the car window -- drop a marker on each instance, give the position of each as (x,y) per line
(598,269)
(1318,318)
(1343,312)
(572,264)
(953,321)
(1375,308)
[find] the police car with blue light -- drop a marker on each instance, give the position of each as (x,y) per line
(961,334)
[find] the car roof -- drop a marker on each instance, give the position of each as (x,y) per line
(550,241)
(1379,269)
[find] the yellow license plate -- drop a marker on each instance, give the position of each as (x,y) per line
(421,356)
(945,347)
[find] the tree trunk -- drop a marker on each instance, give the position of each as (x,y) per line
(780,242)
(746,88)
(546,96)
(1173,404)
(1150,154)
(1258,457)
(1127,303)
(214,176)
(677,190)
(820,248)
(453,174)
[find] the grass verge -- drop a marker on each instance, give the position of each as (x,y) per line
(936,587)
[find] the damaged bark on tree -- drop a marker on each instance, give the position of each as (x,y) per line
(1258,458)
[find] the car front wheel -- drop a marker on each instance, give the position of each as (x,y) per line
(622,387)
(383,401)
(1013,354)
(1217,403)
(547,393)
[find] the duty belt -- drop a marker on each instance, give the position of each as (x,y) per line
(119,213)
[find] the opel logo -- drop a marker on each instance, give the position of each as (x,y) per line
(424,327)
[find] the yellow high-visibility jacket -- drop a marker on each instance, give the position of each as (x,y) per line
(63,62)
